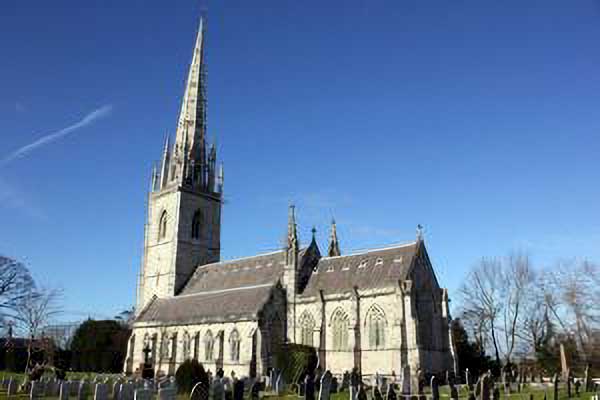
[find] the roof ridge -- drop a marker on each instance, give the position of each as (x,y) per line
(222,290)
(359,252)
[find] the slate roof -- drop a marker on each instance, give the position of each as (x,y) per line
(209,306)
(372,269)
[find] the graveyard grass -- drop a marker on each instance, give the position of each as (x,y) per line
(538,393)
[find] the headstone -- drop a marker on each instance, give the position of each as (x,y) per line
(362,395)
(101,391)
(238,390)
(38,390)
(11,388)
(406,381)
(143,394)
(218,390)
(64,391)
(376,393)
(126,392)
(114,393)
(167,393)
(82,391)
(325,386)
(74,388)
(435,389)
(309,388)
(496,393)
(391,393)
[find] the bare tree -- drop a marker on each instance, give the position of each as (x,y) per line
(33,312)
(481,300)
(15,284)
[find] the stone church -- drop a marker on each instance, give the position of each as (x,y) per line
(381,310)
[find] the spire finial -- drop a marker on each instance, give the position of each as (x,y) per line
(334,245)
(419,233)
(292,239)
(314,232)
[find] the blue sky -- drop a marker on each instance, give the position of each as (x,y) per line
(479,120)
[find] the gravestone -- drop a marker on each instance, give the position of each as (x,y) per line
(391,393)
(199,392)
(309,388)
(143,394)
(82,390)
(406,380)
(126,392)
(38,390)
(218,390)
(74,388)
(325,386)
(238,390)
(453,391)
(114,392)
(376,394)
(167,393)
(64,391)
(496,393)
(11,388)
(101,391)
(435,389)
(362,395)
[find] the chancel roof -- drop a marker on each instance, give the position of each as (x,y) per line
(367,270)
(209,306)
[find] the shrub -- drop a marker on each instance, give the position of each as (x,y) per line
(189,374)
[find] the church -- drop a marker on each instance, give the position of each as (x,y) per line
(382,310)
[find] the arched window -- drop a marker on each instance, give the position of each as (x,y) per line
(196,225)
(307,327)
(340,330)
(209,344)
(234,343)
(187,344)
(376,327)
(162,225)
(164,347)
(197,346)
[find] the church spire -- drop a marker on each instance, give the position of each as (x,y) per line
(192,117)
(164,169)
(334,245)
(292,237)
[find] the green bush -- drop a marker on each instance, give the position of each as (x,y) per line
(189,374)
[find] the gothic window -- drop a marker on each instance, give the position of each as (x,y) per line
(197,346)
(173,347)
(209,344)
(307,327)
(196,225)
(187,343)
(234,342)
(162,225)
(164,347)
(376,327)
(340,330)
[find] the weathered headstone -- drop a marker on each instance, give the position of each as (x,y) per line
(37,391)
(238,390)
(143,394)
(555,387)
(218,390)
(167,393)
(391,393)
(82,390)
(435,389)
(309,388)
(101,391)
(64,391)
(11,388)
(126,392)
(325,387)
(199,392)
(362,395)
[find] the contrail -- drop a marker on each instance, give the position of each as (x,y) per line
(85,121)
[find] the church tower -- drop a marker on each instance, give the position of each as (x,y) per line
(183,227)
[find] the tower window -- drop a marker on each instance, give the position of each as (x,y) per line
(196,225)
(162,226)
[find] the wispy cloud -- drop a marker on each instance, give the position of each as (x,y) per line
(11,197)
(54,136)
